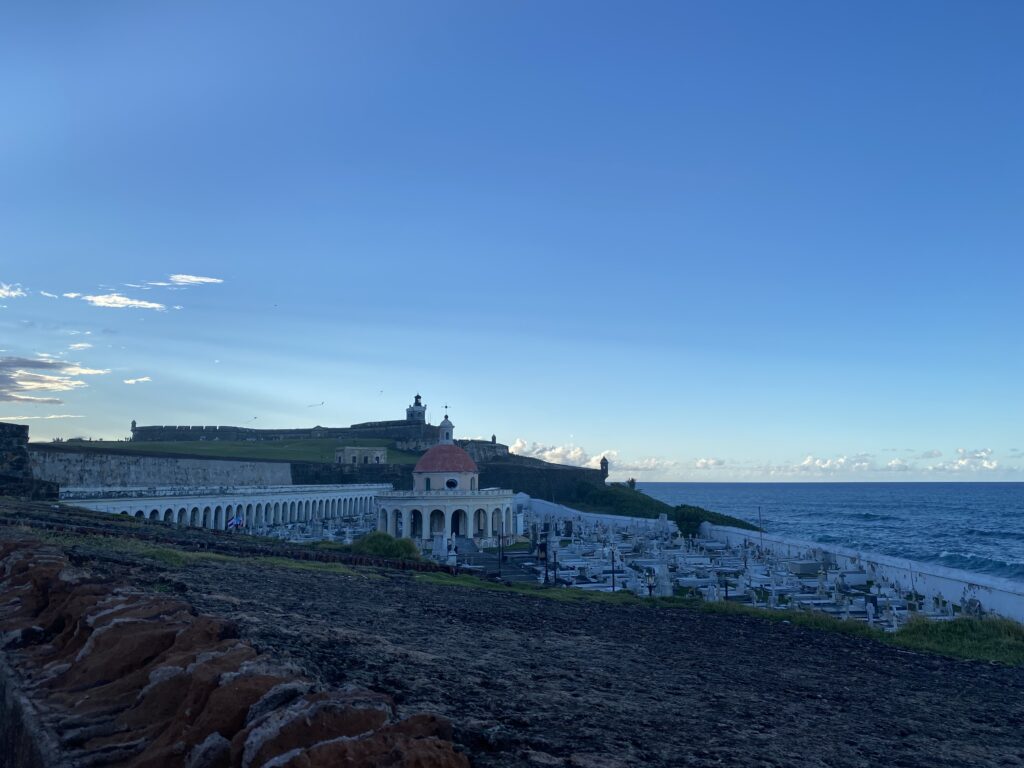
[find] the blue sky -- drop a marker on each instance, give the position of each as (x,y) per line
(743,241)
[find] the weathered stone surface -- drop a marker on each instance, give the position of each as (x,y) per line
(125,677)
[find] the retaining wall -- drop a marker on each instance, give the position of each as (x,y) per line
(95,469)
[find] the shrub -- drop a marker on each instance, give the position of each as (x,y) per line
(380,544)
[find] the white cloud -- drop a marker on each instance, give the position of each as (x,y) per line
(976,460)
(11,291)
(708,463)
(81,345)
(117,301)
(932,454)
(47,418)
(28,381)
(49,295)
(71,295)
(191,280)
(138,380)
(576,456)
(557,454)
(898,465)
(77,370)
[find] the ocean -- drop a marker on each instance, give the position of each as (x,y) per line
(972,526)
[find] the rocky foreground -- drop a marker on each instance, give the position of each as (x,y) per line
(503,679)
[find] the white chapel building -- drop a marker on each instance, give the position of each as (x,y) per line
(446,499)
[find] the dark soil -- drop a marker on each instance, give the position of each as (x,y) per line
(528,680)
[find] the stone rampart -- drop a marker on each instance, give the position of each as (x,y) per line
(14,451)
(383,430)
(539,479)
(93,468)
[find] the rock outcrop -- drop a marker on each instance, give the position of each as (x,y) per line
(117,676)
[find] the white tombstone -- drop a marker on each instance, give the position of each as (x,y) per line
(439,550)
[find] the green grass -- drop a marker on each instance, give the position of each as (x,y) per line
(172,557)
(621,500)
(321,450)
(519,546)
(984,639)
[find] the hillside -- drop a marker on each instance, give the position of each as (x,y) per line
(527,679)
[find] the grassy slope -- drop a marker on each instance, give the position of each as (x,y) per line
(621,500)
(986,639)
(281,450)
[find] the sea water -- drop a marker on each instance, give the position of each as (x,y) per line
(972,526)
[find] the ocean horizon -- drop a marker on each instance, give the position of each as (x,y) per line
(973,526)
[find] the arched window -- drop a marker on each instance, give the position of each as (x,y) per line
(428,484)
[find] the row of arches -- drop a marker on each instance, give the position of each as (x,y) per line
(459,522)
(261,514)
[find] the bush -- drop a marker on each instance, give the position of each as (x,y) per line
(380,544)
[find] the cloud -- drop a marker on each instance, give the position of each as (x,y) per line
(138,380)
(934,453)
(191,280)
(576,456)
(117,301)
(557,454)
(49,295)
(77,370)
(708,463)
(8,291)
(46,418)
(22,377)
(81,345)
(71,295)
(898,465)
(976,460)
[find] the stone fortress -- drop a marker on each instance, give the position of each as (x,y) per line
(413,431)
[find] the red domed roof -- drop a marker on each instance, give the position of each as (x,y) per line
(445,458)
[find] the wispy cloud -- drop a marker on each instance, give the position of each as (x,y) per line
(44,418)
(192,280)
(11,291)
(932,454)
(21,378)
(49,295)
(71,295)
(77,370)
(80,345)
(117,301)
(138,380)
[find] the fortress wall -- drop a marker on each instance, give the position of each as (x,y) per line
(550,482)
(92,468)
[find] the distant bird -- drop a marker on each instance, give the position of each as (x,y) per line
(316,405)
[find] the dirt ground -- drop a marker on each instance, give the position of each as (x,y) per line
(532,680)
(528,680)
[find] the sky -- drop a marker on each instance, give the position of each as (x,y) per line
(711,241)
